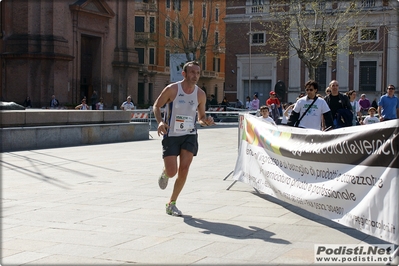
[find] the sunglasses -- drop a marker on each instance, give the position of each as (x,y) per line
(391,88)
(328,91)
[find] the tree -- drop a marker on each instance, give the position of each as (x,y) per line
(316,30)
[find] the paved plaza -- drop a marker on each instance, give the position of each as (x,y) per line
(101,205)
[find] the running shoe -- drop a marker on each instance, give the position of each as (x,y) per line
(171,209)
(163,180)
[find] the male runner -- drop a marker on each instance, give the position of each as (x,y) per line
(182,99)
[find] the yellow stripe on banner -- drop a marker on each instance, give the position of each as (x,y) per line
(282,137)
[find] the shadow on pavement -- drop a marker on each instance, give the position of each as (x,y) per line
(232,231)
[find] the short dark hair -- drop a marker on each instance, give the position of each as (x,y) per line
(190,63)
(312,83)
(264,107)
(350,92)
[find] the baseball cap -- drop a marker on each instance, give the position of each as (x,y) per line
(272,93)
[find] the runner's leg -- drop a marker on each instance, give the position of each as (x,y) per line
(186,158)
(170,164)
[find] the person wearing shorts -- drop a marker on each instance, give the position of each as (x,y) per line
(184,104)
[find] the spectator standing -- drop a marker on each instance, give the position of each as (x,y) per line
(388,106)
(248,103)
(355,107)
(27,102)
(328,91)
(309,110)
(287,112)
(100,104)
(340,106)
(273,99)
(239,104)
(255,103)
(364,104)
(128,104)
(213,102)
(93,100)
(185,103)
(264,112)
(375,103)
(371,118)
(54,103)
(224,103)
(83,105)
(274,104)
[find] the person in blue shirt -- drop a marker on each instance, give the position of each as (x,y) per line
(388,106)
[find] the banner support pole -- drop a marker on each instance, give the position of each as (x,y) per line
(232,184)
(228,175)
(240,119)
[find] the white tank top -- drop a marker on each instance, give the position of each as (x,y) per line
(181,113)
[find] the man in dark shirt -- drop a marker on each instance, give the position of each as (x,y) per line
(213,101)
(338,101)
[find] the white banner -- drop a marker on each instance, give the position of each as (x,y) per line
(177,62)
(348,175)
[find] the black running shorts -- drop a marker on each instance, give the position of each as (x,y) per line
(171,146)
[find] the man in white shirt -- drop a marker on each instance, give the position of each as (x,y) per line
(128,105)
(315,107)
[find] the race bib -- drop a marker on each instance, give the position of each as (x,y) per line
(183,123)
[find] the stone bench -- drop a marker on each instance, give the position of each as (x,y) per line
(42,129)
(48,117)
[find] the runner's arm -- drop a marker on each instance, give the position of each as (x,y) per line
(166,96)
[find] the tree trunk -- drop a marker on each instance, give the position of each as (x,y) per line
(312,72)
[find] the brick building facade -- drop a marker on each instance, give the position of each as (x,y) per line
(253,64)
(68,48)
(116,47)
(175,27)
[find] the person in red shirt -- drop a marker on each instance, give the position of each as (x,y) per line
(274,104)
(273,99)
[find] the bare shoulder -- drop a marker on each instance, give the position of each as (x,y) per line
(167,95)
(171,90)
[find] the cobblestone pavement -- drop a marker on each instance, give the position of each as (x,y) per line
(101,205)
